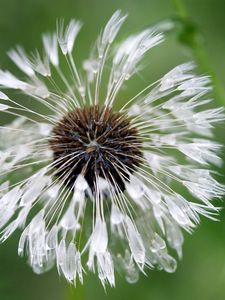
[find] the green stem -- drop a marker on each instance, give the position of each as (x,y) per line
(192,38)
(180,8)
(75,293)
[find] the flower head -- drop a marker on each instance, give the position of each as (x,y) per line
(99,186)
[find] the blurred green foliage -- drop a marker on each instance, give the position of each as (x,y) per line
(201,273)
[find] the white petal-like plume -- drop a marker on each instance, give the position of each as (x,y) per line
(3,96)
(20,58)
(67,36)
(51,47)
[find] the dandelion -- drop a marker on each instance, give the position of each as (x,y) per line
(95,183)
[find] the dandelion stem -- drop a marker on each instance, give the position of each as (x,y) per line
(75,293)
(191,36)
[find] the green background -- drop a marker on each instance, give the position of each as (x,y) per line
(199,35)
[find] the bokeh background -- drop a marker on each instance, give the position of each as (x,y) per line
(199,34)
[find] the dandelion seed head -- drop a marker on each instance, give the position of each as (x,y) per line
(97,183)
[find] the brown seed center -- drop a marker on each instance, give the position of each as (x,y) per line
(95,141)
